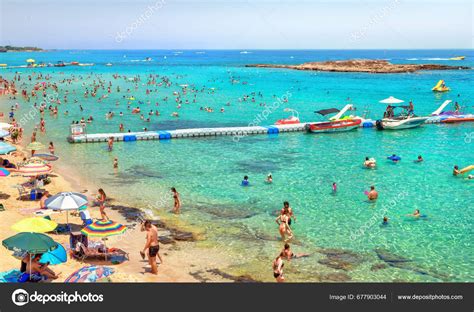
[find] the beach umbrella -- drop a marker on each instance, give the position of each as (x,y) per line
(4,133)
(32,243)
(6,148)
(36,225)
(103,228)
(90,274)
(56,256)
(35,146)
(4,125)
(30,60)
(4,172)
(47,157)
(66,201)
(35,160)
(391,100)
(34,169)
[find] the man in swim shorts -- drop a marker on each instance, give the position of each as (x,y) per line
(152,245)
(373,194)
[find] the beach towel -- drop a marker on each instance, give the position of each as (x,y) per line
(10,276)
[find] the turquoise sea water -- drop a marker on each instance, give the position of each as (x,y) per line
(207,171)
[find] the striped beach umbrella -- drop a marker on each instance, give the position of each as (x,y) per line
(6,148)
(104,229)
(34,169)
(35,146)
(90,274)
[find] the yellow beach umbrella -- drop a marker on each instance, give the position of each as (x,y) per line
(36,225)
(30,60)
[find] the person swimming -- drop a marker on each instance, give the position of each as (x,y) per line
(369,162)
(419,159)
(415,214)
(456,171)
(385,221)
(334,187)
(245,181)
(269,178)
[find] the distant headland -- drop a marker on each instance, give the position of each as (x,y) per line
(9,48)
(362,66)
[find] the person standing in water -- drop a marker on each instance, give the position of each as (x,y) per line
(110,143)
(115,163)
(283,227)
(277,266)
(51,148)
(152,244)
(101,198)
(373,194)
(288,211)
(177,201)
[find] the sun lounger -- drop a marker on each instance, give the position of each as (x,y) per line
(114,255)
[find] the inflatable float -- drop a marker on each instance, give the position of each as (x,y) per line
(288,121)
(440,87)
(466,169)
(458,119)
(394,158)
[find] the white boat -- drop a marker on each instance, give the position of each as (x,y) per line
(400,122)
(405,120)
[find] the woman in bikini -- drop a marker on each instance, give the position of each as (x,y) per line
(288,211)
(101,199)
(277,266)
(177,201)
(284,227)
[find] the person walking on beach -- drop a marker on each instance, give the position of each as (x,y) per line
(101,199)
(152,245)
(177,201)
(277,266)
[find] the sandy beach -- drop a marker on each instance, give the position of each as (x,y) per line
(184,261)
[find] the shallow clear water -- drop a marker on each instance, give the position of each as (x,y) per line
(207,171)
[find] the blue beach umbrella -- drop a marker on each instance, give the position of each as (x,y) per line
(6,148)
(56,256)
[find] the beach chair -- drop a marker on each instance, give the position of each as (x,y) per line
(81,251)
(22,192)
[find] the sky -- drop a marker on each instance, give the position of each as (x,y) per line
(238,24)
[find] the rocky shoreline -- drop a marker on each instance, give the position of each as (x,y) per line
(361,66)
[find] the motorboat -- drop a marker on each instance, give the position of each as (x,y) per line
(404,120)
(442,116)
(338,123)
(457,58)
(334,126)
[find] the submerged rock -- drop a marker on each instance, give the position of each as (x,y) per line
(335,277)
(377,267)
(237,279)
(390,257)
(340,259)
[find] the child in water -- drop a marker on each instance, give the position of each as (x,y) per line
(385,221)
(245,181)
(269,178)
(334,187)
